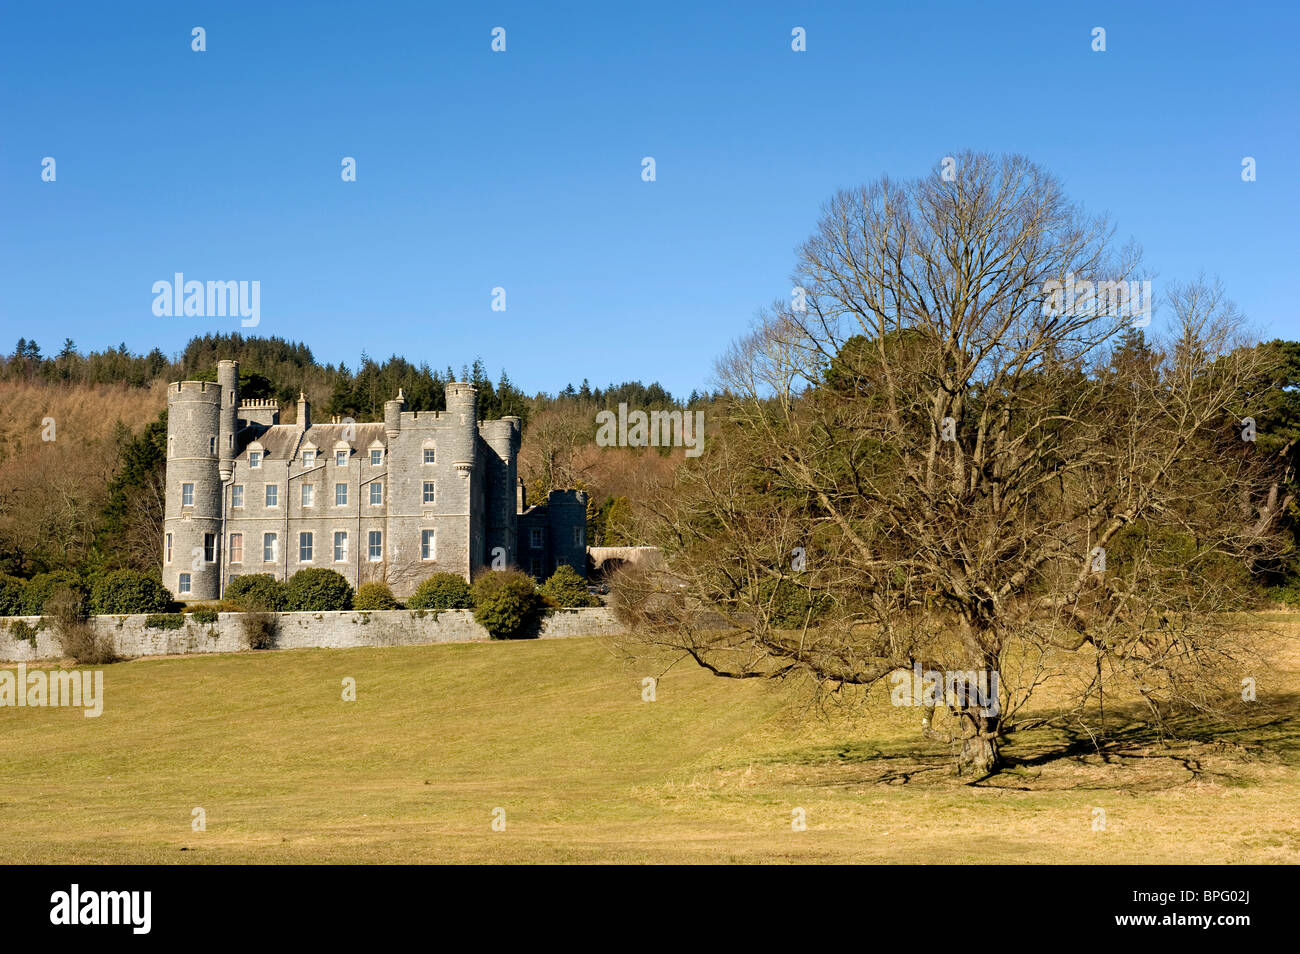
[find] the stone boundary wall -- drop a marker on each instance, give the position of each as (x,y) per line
(334,630)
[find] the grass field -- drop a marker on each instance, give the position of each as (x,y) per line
(557,735)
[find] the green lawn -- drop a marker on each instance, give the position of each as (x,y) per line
(555,733)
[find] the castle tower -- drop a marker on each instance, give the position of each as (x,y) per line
(503,437)
(462,408)
(192,527)
(228,378)
(566,512)
(393,415)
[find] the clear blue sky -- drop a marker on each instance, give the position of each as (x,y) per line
(523,169)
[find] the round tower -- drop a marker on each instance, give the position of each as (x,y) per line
(193,510)
(462,408)
(393,415)
(228,378)
(503,437)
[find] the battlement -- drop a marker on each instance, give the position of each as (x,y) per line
(422,417)
(209,391)
(253,403)
(567,497)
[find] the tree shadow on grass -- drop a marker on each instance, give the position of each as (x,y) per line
(1133,753)
(1060,753)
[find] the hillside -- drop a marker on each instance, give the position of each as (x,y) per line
(51,491)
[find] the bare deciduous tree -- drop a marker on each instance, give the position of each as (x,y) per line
(931,460)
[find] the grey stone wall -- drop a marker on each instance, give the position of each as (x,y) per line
(336,630)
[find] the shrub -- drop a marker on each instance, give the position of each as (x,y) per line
(566,588)
(164,620)
(76,637)
(505,601)
(12,592)
(317,590)
(374,596)
(207,613)
(24,630)
(259,629)
(257,591)
(442,591)
(128,591)
(43,586)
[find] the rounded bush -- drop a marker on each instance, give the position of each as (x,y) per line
(128,591)
(257,591)
(41,587)
(505,601)
(12,592)
(566,588)
(442,591)
(317,590)
(374,596)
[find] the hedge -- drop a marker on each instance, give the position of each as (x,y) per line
(318,590)
(257,591)
(128,591)
(505,601)
(442,591)
(566,588)
(374,596)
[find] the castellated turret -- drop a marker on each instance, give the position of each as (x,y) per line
(228,378)
(462,408)
(191,544)
(393,415)
(503,438)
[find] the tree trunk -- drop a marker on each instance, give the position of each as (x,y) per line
(980,753)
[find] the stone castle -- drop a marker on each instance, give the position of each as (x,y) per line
(419,493)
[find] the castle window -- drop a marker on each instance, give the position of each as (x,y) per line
(429,456)
(236,548)
(308,458)
(209,548)
(304,547)
(340,495)
(308,495)
(536,566)
(427,545)
(171,447)
(237,495)
(183,587)
(376,542)
(376,457)
(273,495)
(340,458)
(377,493)
(340,546)
(270,545)
(230,441)
(212,446)
(254,459)
(577,536)
(187,495)
(167,549)
(429,491)
(535,539)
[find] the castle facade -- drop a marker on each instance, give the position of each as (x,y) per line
(418,493)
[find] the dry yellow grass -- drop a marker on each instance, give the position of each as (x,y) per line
(556,734)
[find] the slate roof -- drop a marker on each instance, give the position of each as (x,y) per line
(283,441)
